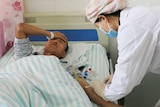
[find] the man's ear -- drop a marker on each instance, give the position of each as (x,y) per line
(63,54)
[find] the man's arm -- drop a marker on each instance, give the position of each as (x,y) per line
(93,96)
(23,30)
(22,45)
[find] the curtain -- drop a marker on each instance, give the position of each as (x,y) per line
(11,13)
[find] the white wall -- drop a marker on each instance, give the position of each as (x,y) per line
(55,6)
(144,2)
(32,6)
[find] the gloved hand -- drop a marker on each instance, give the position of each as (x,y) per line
(108,79)
(98,88)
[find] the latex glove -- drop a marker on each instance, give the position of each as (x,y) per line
(98,88)
(108,79)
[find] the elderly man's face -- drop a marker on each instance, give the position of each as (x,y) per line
(56,46)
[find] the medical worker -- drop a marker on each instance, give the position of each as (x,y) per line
(137,30)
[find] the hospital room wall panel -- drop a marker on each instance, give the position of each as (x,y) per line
(34,6)
(70,5)
(54,6)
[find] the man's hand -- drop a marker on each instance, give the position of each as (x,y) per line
(94,97)
(108,79)
(58,35)
(98,88)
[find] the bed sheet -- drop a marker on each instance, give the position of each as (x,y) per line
(94,57)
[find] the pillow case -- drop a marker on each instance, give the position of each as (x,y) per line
(76,50)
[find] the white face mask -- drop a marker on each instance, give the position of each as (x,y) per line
(112,33)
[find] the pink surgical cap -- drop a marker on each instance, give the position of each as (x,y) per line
(96,7)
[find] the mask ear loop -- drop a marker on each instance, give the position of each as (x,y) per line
(100,26)
(108,25)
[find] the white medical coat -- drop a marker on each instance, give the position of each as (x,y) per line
(138,50)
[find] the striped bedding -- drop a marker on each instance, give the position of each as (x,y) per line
(41,81)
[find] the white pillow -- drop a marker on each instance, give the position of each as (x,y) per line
(76,50)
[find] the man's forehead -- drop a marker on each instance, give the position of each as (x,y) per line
(65,38)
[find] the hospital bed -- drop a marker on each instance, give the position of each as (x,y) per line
(41,80)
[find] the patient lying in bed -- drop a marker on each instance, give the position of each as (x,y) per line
(56,46)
